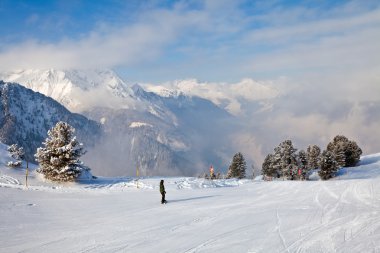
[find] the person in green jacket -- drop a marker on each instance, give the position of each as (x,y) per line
(163,192)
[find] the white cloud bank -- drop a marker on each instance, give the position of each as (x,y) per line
(229,96)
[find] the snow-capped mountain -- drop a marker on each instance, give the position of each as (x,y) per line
(76,90)
(174,136)
(160,133)
(26,116)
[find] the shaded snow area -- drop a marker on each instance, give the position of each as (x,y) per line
(113,215)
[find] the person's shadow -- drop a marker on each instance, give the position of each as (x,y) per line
(188,199)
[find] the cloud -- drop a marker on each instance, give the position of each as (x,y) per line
(320,129)
(126,46)
(314,30)
(106,46)
(230,96)
(213,39)
(142,40)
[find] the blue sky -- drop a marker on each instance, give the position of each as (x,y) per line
(213,40)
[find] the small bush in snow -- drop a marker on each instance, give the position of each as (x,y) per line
(59,158)
(16,151)
(14,164)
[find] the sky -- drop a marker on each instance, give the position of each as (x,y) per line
(323,57)
(213,40)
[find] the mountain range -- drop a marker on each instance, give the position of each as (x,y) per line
(164,132)
(26,116)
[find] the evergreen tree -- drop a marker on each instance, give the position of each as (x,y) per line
(59,158)
(267,167)
(288,156)
(352,153)
(346,152)
(276,162)
(238,167)
(339,153)
(313,155)
(302,164)
(16,151)
(291,172)
(328,165)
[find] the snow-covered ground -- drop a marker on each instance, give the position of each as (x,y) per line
(113,215)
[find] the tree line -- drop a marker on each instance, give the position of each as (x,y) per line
(285,162)
(59,158)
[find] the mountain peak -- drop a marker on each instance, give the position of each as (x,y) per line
(70,87)
(164,91)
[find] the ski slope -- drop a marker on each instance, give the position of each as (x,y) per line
(113,215)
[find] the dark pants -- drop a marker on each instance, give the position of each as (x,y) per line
(163,198)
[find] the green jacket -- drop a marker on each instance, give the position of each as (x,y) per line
(162,188)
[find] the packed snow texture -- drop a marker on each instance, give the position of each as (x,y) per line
(125,214)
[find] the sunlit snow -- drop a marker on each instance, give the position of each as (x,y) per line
(125,214)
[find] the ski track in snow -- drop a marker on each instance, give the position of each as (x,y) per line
(7,180)
(278,228)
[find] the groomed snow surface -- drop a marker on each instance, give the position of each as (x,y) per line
(113,215)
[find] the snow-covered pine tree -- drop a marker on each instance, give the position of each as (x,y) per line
(291,172)
(302,164)
(238,167)
(337,139)
(353,153)
(267,167)
(276,161)
(313,156)
(59,158)
(16,151)
(339,153)
(341,144)
(328,165)
(288,156)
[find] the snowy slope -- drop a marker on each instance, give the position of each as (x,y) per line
(113,215)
